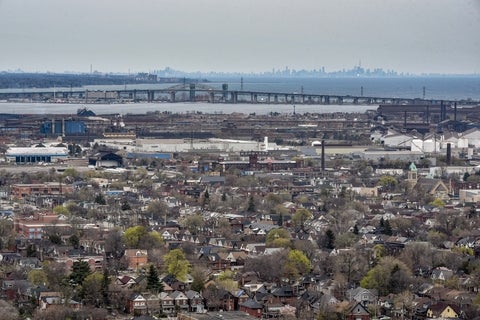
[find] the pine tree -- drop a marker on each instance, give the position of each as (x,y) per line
(105,284)
(153,282)
(355,229)
(388,228)
(251,204)
(330,239)
(80,270)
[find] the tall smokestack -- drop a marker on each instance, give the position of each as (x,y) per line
(265,142)
(449,154)
(455,112)
(323,155)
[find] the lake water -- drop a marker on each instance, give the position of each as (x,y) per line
(447,88)
(140,108)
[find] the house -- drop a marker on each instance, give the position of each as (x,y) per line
(441,274)
(37,226)
(195,301)
(284,295)
(49,299)
(180,301)
(358,312)
(227,300)
(252,307)
(125,281)
(136,304)
(136,258)
(152,302)
(167,304)
(362,295)
(443,310)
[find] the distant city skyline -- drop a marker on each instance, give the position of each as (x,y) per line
(248,36)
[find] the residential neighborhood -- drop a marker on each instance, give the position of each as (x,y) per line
(376,222)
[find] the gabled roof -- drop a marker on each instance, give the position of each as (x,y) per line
(438,307)
(178,295)
(251,304)
(359,309)
(191,294)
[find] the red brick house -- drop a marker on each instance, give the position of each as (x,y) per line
(19,191)
(137,304)
(136,258)
(252,307)
(36,226)
(358,312)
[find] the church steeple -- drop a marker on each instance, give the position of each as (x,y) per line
(412,175)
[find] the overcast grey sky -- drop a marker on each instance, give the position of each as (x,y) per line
(417,36)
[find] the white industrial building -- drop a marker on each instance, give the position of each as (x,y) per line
(186,145)
(36,154)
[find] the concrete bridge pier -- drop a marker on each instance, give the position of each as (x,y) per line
(275,99)
(235,97)
(172,96)
(150,95)
(192,92)
(211,97)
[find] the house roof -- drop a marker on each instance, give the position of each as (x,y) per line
(251,304)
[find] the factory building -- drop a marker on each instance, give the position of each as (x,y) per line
(63,127)
(36,154)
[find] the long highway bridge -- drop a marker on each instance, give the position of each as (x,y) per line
(202,93)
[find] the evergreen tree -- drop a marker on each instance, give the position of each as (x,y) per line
(251,204)
(381,224)
(206,198)
(125,206)
(154,284)
(104,289)
(387,228)
(329,239)
(355,229)
(80,270)
(100,199)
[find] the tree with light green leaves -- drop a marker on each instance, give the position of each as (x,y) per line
(177,264)
(278,237)
(139,238)
(133,235)
(60,210)
(439,203)
(390,275)
(388,182)
(300,217)
(297,264)
(91,290)
(37,277)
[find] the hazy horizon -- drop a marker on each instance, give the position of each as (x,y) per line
(418,37)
